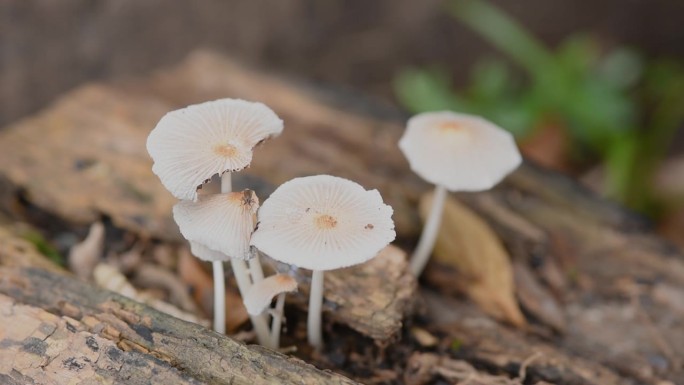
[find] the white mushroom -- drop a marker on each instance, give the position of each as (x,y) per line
(219,226)
(456,152)
(192,144)
(260,295)
(204,253)
(323,223)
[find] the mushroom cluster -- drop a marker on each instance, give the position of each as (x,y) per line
(191,145)
(318,223)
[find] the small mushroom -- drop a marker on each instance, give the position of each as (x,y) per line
(219,226)
(455,152)
(192,144)
(260,295)
(322,223)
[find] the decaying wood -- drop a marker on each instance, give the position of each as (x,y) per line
(612,280)
(176,346)
(476,339)
(372,298)
(38,347)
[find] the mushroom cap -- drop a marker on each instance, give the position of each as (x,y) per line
(192,144)
(458,151)
(260,295)
(218,224)
(206,254)
(322,223)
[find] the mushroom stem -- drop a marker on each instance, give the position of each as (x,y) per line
(259,321)
(255,269)
(276,323)
(427,239)
(219,298)
(315,308)
(242,278)
(219,278)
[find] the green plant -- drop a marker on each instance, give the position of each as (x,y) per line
(614,106)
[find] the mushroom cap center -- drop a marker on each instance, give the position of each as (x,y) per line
(225,150)
(451,126)
(325,222)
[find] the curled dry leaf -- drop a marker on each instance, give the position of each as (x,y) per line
(108,277)
(261,294)
(84,256)
(154,276)
(466,243)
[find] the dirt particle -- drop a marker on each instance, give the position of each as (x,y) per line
(73,364)
(92,344)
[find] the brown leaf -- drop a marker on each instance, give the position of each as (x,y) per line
(548,146)
(466,243)
(108,277)
(84,256)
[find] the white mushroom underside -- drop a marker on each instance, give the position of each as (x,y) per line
(218,224)
(192,144)
(206,254)
(323,222)
(460,152)
(260,295)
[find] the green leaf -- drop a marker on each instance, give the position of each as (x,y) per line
(422,90)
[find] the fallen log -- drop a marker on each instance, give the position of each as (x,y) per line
(130,333)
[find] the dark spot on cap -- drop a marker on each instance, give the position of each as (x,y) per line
(369,227)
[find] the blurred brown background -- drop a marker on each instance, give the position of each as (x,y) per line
(48,47)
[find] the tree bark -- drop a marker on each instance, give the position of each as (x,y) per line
(141,341)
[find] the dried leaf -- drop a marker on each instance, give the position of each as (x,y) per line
(108,277)
(149,275)
(466,243)
(84,256)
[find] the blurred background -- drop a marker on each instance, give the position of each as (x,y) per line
(592,89)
